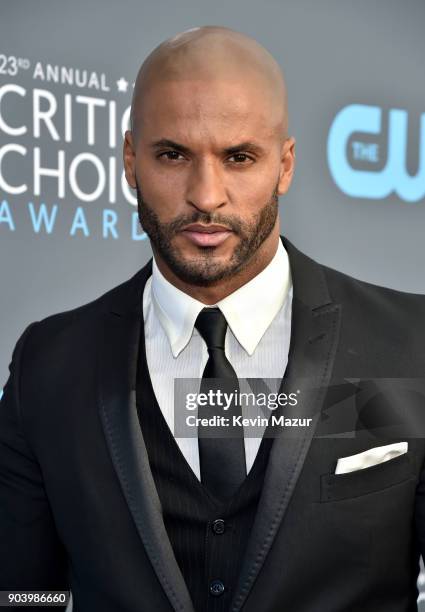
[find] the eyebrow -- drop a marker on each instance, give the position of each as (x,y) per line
(243,146)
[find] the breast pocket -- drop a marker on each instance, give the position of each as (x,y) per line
(334,487)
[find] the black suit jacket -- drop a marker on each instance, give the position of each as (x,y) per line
(78,505)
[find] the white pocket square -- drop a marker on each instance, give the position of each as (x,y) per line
(370,457)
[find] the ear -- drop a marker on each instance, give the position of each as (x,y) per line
(129,157)
(287,165)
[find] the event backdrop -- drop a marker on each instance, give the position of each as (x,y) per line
(68,224)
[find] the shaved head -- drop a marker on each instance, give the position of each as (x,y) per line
(213,53)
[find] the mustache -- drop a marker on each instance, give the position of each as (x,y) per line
(205,218)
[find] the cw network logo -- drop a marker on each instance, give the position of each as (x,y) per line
(366,161)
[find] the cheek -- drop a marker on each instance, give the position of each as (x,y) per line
(249,196)
(153,181)
(254,186)
(161,191)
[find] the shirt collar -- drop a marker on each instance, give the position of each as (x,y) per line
(249,310)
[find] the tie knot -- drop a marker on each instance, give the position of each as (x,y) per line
(212,325)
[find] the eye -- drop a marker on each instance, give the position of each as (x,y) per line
(241,158)
(170,155)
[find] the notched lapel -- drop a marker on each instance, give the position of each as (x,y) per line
(117,405)
(314,337)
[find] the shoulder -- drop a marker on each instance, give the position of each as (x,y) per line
(78,327)
(353,294)
(382,329)
(359,295)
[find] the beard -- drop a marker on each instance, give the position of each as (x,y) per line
(206,270)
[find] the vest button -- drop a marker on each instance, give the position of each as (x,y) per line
(216,588)
(218,526)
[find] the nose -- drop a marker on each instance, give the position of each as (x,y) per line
(206,189)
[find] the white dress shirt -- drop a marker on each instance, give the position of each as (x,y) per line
(256,344)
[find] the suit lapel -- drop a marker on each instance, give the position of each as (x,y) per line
(314,337)
(118,353)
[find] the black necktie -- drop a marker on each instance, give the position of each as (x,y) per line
(222,458)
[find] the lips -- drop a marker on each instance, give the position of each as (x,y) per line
(208,229)
(206,235)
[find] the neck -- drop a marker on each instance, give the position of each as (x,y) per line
(216,292)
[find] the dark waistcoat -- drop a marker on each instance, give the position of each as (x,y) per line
(208,535)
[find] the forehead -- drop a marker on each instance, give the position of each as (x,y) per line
(195,107)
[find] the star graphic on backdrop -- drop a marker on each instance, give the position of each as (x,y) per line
(122,84)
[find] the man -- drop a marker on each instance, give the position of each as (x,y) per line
(96,493)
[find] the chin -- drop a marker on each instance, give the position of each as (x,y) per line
(209,254)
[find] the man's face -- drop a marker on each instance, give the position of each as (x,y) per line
(207,153)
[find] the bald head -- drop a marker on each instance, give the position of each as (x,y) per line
(213,53)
